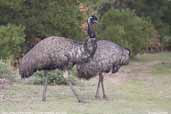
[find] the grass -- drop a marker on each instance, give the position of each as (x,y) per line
(147,89)
(163,56)
(162,68)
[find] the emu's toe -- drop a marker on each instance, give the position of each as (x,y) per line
(97,97)
(105,97)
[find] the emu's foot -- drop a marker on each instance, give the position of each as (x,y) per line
(105,97)
(81,101)
(97,97)
(44,99)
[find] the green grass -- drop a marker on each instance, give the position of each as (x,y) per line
(164,56)
(143,92)
(162,68)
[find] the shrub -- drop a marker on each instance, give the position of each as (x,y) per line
(165,32)
(11,37)
(6,72)
(57,17)
(55,77)
(125,28)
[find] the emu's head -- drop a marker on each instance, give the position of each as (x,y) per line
(26,69)
(126,53)
(91,21)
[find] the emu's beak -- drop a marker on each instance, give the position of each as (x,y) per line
(95,21)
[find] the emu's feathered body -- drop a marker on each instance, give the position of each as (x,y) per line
(56,52)
(108,56)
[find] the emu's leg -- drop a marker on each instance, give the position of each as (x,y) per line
(103,90)
(66,76)
(97,91)
(45,86)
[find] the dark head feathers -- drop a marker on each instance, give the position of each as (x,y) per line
(92,19)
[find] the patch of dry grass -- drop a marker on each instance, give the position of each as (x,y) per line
(143,92)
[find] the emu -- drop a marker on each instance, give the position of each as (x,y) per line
(108,57)
(58,53)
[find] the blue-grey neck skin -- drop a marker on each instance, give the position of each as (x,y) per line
(90,31)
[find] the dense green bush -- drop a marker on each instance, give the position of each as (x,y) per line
(165,32)
(55,77)
(43,18)
(11,39)
(6,72)
(159,11)
(125,28)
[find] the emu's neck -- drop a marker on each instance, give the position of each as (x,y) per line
(90,31)
(82,52)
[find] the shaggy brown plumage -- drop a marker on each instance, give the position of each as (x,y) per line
(56,52)
(108,57)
